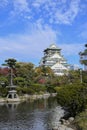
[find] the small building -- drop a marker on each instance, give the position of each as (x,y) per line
(53,59)
(83,58)
(74,67)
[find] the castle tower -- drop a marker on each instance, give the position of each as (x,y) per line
(54,59)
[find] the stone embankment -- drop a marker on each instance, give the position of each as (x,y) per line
(27,97)
(64,125)
(58,123)
(35,96)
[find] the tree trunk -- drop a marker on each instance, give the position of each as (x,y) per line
(11,82)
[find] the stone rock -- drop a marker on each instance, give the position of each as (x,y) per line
(62,127)
(67,128)
(55,128)
(67,122)
(71,119)
(62,121)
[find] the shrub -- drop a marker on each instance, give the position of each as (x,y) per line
(25,90)
(81,120)
(51,89)
(72,96)
(3,91)
(38,88)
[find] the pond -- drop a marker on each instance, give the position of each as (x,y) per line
(36,115)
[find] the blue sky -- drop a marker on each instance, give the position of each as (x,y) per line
(27,27)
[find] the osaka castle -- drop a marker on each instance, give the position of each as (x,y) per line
(53,59)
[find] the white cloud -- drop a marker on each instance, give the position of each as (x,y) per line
(61,11)
(19,7)
(83,31)
(83,34)
(3,3)
(55,11)
(72,49)
(58,11)
(66,15)
(22,5)
(38,3)
(71,52)
(28,45)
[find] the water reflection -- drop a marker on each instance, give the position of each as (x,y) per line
(35,115)
(12,106)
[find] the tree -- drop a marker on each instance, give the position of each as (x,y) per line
(25,71)
(43,75)
(11,64)
(19,81)
(3,81)
(44,71)
(72,96)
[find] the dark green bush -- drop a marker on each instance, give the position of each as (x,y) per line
(51,89)
(3,91)
(73,96)
(81,120)
(28,90)
(25,90)
(38,88)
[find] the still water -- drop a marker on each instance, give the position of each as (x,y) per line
(36,115)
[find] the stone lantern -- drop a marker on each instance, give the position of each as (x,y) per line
(12,95)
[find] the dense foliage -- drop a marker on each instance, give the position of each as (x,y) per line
(11,64)
(27,78)
(73,96)
(73,93)
(81,120)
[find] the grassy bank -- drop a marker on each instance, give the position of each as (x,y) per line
(81,120)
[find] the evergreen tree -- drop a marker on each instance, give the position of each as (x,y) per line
(11,64)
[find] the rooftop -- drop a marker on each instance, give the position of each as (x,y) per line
(53,47)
